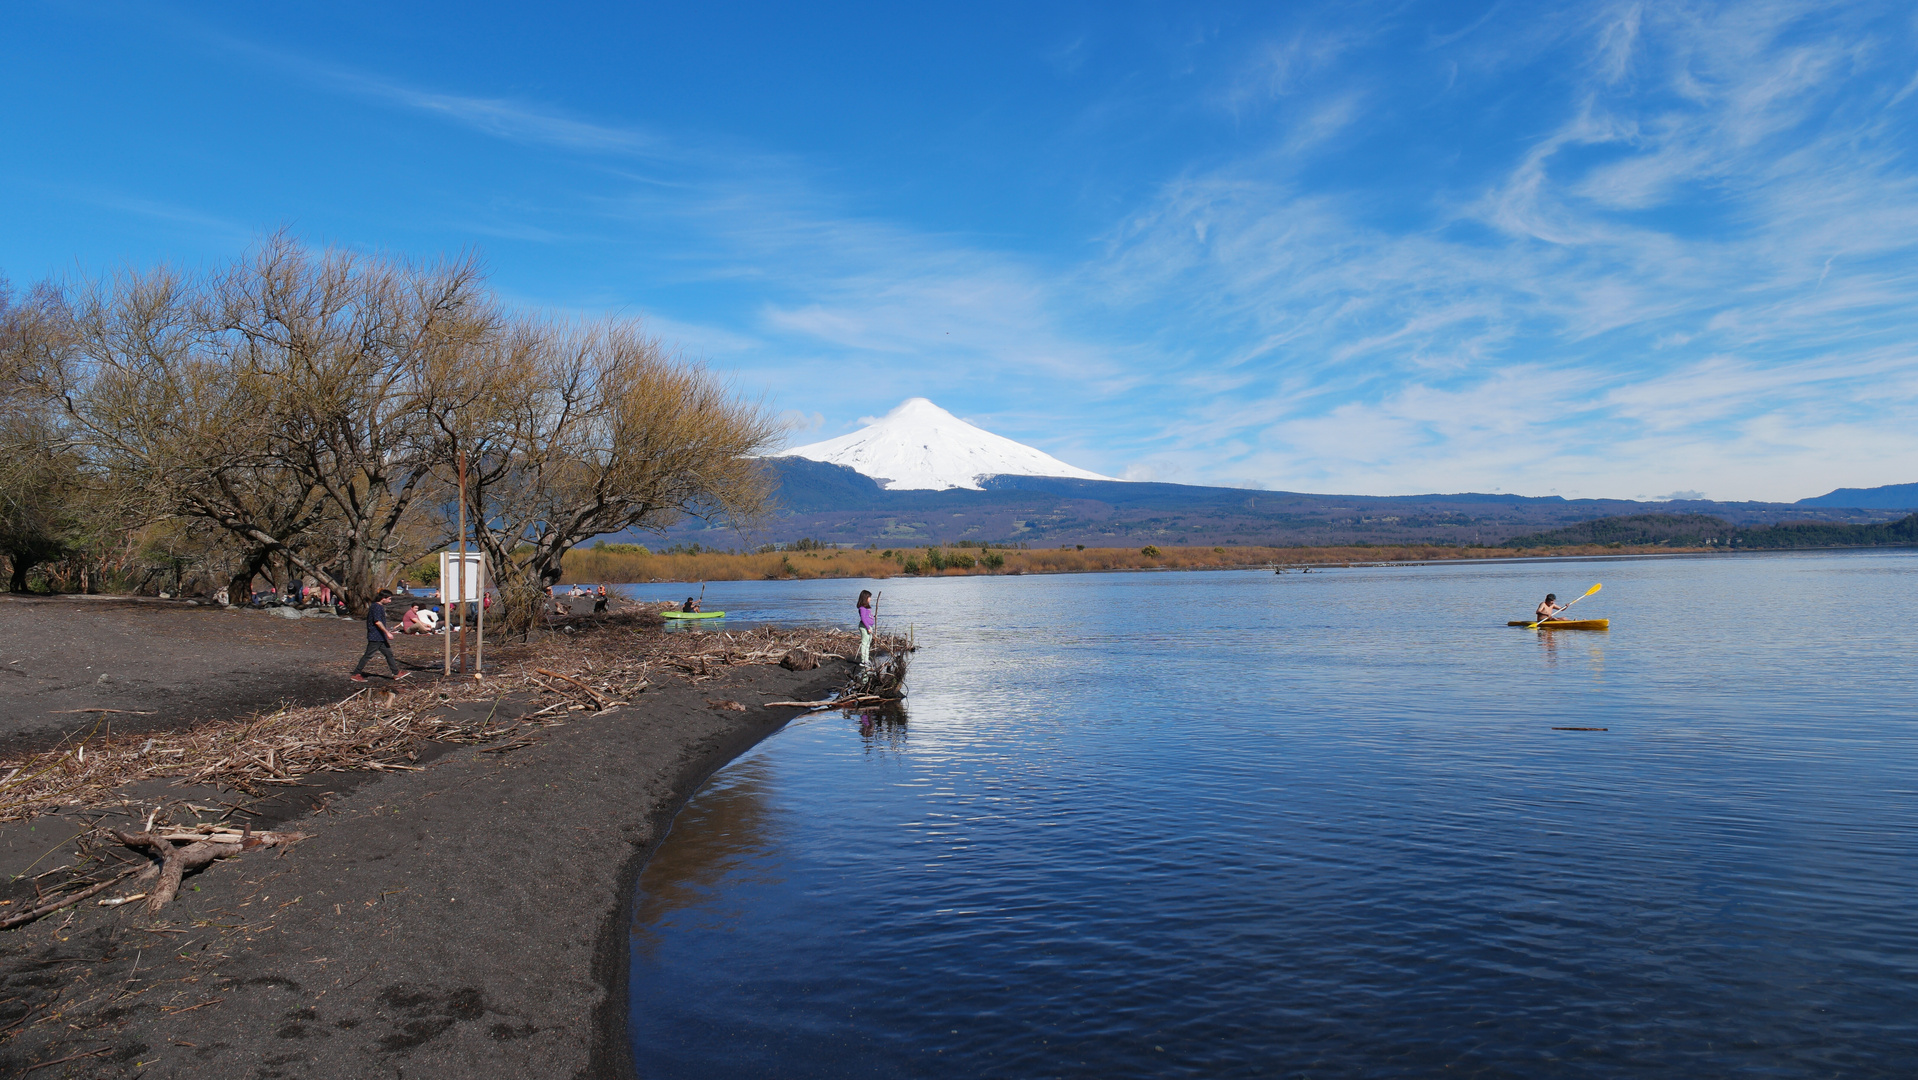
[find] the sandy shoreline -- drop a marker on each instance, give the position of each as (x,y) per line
(467,919)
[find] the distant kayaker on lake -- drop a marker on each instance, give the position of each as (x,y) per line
(690,605)
(867,624)
(1548,608)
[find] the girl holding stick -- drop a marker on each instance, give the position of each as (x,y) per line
(868,623)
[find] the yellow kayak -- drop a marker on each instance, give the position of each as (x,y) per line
(1567,624)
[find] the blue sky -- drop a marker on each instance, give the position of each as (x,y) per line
(1619,250)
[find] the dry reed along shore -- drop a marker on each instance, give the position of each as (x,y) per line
(423,878)
(614,564)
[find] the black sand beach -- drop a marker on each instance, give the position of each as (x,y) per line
(468,919)
(164,663)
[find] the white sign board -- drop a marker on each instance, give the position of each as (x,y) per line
(452,589)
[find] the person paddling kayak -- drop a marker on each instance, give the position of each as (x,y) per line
(1548,608)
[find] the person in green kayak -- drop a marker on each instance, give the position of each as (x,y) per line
(691,605)
(1549,608)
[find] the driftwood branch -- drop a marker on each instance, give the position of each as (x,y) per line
(52,906)
(200,850)
(835,703)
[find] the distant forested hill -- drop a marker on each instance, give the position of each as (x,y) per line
(1889,497)
(1903,532)
(1677,530)
(1700,530)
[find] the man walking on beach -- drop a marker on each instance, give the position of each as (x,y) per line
(379,640)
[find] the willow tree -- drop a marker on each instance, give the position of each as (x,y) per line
(353,364)
(593,429)
(47,499)
(174,430)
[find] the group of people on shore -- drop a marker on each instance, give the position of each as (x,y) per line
(295,594)
(600,598)
(422,619)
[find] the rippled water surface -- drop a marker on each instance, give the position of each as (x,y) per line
(1244,824)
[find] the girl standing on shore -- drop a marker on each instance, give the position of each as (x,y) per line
(867,624)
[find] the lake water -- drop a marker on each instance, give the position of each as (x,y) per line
(1245,824)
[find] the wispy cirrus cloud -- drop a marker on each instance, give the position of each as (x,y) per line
(1711,243)
(500,117)
(1680,239)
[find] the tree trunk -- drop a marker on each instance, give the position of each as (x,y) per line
(359,577)
(239,587)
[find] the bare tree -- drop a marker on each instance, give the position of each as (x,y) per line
(595,429)
(151,393)
(307,408)
(354,361)
(44,497)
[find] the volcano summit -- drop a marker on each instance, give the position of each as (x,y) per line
(922,447)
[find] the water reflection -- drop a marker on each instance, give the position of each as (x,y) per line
(1575,646)
(882,727)
(721,837)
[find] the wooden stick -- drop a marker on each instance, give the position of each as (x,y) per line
(858,699)
(234,836)
(598,698)
(12,921)
(69,1057)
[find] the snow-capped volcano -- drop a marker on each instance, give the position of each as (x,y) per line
(920,446)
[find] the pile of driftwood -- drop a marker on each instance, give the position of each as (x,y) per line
(372,729)
(880,684)
(378,728)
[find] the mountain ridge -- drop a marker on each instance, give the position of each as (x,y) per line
(837,504)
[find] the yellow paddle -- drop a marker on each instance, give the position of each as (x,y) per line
(1567,607)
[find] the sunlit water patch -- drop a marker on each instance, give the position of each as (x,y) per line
(1244,824)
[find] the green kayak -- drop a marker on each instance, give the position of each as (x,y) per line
(692,614)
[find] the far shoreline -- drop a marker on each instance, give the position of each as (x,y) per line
(1555,556)
(599,566)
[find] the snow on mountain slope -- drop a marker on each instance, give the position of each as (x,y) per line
(920,446)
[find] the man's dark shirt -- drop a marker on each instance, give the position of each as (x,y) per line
(375,615)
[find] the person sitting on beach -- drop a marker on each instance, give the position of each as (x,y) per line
(410,622)
(429,621)
(1548,608)
(691,605)
(599,600)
